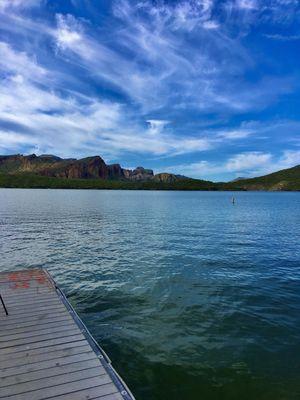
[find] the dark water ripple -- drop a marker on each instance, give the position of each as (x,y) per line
(190,296)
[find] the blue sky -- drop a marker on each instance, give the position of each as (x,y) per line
(205,88)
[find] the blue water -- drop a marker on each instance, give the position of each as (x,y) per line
(192,297)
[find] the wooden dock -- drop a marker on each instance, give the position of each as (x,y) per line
(46,352)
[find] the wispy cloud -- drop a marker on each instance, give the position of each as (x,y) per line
(247,164)
(18,4)
(156,126)
(247,4)
(284,38)
(70,125)
(183,76)
(248,161)
(156,79)
(12,62)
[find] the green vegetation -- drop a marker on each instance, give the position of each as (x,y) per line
(36,181)
(286,180)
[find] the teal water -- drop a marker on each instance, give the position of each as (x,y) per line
(192,297)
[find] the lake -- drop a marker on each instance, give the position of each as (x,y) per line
(192,297)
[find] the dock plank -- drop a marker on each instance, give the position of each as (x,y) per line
(89,393)
(30,367)
(51,372)
(32,318)
(38,345)
(46,352)
(65,388)
(46,382)
(34,333)
(40,338)
(29,357)
(36,326)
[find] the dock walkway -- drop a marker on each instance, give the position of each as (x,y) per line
(46,352)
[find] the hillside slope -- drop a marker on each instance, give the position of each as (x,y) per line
(286,179)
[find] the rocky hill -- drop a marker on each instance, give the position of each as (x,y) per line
(48,171)
(85,168)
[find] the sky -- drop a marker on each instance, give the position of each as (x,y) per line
(205,88)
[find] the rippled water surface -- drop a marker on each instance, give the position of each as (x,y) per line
(191,297)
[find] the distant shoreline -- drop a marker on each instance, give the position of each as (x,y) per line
(31,181)
(52,172)
(154,190)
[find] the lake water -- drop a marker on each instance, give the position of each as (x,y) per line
(191,297)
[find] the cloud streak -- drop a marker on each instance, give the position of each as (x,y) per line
(185,83)
(248,165)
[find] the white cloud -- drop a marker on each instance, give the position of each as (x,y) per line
(18,4)
(68,32)
(156,125)
(247,4)
(130,60)
(236,133)
(169,57)
(72,125)
(140,71)
(211,24)
(284,38)
(78,125)
(19,63)
(247,164)
(289,159)
(248,161)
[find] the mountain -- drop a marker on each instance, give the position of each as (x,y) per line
(49,171)
(71,168)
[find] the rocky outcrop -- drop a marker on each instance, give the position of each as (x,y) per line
(90,167)
(140,174)
(168,178)
(115,171)
(85,168)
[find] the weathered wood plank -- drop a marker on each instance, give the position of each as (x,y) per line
(43,351)
(31,303)
(36,366)
(39,339)
(45,343)
(65,388)
(30,315)
(97,392)
(51,382)
(21,274)
(14,276)
(35,326)
(11,292)
(8,321)
(51,372)
(37,333)
(15,312)
(21,289)
(44,354)
(114,396)
(13,297)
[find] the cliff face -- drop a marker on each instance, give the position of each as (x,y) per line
(168,178)
(140,174)
(85,168)
(91,167)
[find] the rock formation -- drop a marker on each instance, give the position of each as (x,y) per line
(71,168)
